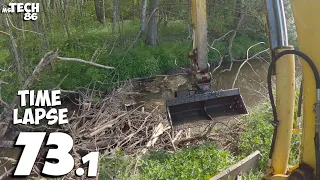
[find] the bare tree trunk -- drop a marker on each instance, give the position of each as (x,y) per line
(52,4)
(13,50)
(43,26)
(114,19)
(143,16)
(240,7)
(65,17)
(39,36)
(99,7)
(1,4)
(20,36)
(152,35)
(237,23)
(46,8)
(133,10)
(80,4)
(120,27)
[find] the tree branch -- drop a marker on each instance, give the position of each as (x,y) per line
(221,59)
(234,82)
(22,29)
(7,173)
(242,15)
(220,38)
(84,61)
(48,58)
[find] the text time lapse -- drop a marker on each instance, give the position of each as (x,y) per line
(36,105)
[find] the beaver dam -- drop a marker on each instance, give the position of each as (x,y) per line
(132,117)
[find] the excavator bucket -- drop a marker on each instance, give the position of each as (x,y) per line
(188,108)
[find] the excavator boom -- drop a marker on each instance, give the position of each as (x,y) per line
(201,104)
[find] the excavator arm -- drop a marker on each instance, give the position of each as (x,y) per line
(201,104)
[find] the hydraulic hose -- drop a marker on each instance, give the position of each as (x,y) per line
(273,106)
(300,100)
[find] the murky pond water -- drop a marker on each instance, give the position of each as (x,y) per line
(251,80)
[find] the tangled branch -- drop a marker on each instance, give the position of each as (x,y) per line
(252,57)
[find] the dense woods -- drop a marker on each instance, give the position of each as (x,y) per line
(122,34)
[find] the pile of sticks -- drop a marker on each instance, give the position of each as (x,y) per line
(108,125)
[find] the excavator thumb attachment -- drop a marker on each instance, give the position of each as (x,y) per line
(188,108)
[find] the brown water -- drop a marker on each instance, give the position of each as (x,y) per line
(251,81)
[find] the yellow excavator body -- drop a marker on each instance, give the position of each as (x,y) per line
(206,105)
(306,18)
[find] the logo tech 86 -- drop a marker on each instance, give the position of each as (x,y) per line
(30,10)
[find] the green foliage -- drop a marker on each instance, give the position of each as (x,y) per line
(258,135)
(141,61)
(88,37)
(240,45)
(243,42)
(192,163)
(95,38)
(118,167)
(201,162)
(254,175)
